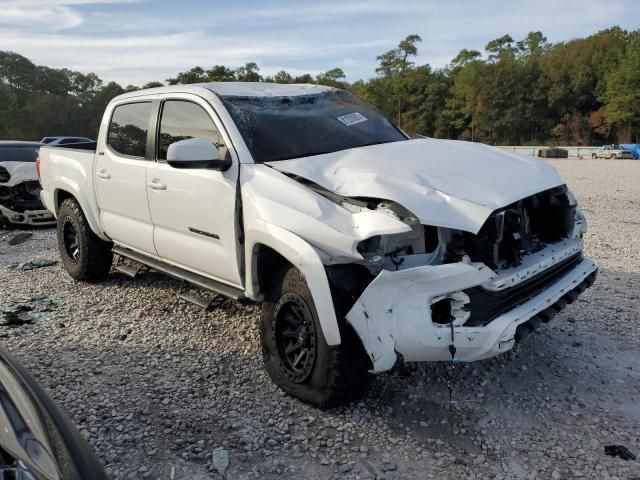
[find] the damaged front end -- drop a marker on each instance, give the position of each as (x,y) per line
(416,293)
(20,202)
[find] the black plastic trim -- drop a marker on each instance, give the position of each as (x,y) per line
(486,305)
(182,274)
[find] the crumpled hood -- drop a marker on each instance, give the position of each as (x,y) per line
(446,183)
(19,172)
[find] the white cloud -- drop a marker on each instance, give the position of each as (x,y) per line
(50,14)
(54,16)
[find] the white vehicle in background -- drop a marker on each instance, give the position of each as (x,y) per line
(613,152)
(20,202)
(364,247)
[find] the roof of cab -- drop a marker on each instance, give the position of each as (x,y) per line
(238,89)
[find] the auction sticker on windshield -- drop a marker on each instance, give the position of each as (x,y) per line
(352,118)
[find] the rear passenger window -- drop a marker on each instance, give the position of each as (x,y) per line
(182,120)
(128,129)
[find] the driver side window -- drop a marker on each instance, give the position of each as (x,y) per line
(182,120)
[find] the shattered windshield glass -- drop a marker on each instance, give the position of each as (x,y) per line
(280,128)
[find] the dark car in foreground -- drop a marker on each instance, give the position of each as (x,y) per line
(37,440)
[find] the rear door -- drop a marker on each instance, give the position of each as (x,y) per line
(121,176)
(193,209)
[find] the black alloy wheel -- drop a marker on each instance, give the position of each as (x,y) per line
(295,336)
(70,240)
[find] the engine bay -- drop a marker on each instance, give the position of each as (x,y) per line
(509,234)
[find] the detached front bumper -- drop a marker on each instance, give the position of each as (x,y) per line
(28,217)
(394,314)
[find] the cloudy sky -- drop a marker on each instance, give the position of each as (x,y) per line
(136,41)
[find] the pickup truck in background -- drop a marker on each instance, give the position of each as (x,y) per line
(364,247)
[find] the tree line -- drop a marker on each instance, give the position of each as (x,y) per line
(583,92)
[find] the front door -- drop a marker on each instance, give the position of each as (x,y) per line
(121,177)
(193,209)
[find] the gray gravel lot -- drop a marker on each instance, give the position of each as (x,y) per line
(160,389)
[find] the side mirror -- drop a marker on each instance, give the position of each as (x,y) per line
(37,440)
(196,153)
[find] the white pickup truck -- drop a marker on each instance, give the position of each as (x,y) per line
(366,248)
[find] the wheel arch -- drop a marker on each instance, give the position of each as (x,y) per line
(268,246)
(60,194)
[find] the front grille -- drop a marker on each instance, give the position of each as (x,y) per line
(487,305)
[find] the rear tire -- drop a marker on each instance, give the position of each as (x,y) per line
(84,255)
(324,376)
(614,157)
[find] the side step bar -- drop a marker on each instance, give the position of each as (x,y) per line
(206,304)
(182,274)
(129,271)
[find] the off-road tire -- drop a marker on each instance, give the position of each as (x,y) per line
(94,256)
(339,373)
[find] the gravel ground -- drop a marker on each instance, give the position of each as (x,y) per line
(164,390)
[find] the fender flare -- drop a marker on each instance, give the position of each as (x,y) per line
(301,255)
(74,190)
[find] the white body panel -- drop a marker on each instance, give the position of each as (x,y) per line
(20,172)
(394,315)
(195,200)
(121,188)
(446,183)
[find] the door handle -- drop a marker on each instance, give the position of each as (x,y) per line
(103,174)
(157,184)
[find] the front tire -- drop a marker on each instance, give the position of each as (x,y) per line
(84,255)
(296,355)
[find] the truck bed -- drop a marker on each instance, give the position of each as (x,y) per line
(67,170)
(90,146)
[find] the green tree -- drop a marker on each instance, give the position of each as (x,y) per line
(393,67)
(153,84)
(194,75)
(304,78)
(622,94)
(7,111)
(220,73)
(248,73)
(332,78)
(534,43)
(283,77)
(500,48)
